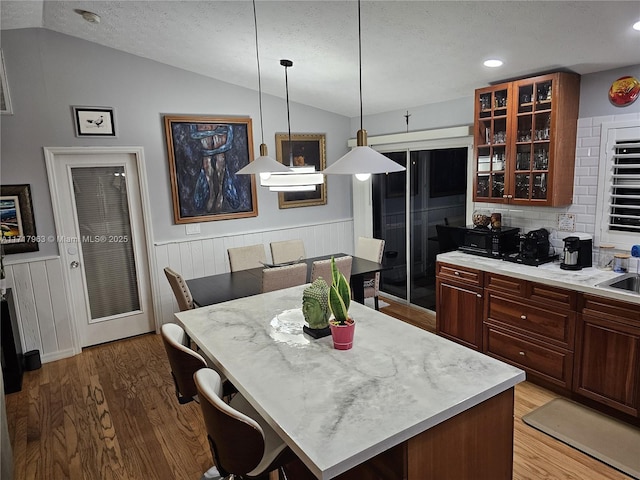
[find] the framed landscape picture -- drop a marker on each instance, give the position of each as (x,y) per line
(307,149)
(204,155)
(16,219)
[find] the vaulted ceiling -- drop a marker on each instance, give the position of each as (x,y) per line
(413,52)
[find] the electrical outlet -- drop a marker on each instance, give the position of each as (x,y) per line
(192,228)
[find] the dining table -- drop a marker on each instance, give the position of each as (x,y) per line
(402,401)
(243,283)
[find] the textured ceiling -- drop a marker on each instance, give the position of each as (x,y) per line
(413,53)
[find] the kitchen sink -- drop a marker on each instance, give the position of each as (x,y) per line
(629,282)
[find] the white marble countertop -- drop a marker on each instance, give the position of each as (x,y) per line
(585,280)
(336,409)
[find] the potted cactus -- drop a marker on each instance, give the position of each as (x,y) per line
(342,326)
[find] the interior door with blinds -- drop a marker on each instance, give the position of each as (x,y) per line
(102,239)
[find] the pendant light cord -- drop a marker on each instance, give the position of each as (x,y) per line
(360,61)
(255,22)
(286,83)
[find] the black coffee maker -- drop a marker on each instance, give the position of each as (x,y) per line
(577,253)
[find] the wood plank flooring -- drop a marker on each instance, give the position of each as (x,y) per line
(111,413)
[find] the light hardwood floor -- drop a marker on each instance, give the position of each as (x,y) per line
(111,413)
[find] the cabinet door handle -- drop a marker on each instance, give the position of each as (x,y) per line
(478,295)
(523,317)
(522,353)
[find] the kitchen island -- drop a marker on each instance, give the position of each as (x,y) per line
(402,400)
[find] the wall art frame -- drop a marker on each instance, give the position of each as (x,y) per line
(97,122)
(17,220)
(204,154)
(309,149)
(5,99)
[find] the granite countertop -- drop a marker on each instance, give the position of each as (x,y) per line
(585,280)
(337,408)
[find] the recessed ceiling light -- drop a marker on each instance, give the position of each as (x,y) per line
(636,26)
(493,63)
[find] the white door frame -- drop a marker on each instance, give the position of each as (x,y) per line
(50,154)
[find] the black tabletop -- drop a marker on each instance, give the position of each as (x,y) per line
(229,286)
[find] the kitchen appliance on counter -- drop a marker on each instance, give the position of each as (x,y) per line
(577,253)
(534,250)
(493,243)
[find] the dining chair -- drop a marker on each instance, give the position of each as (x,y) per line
(180,289)
(277,278)
(244,258)
(322,268)
(287,251)
(371,249)
(242,443)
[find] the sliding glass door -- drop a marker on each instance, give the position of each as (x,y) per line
(407,206)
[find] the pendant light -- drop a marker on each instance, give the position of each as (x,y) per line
(362,161)
(264,164)
(296,179)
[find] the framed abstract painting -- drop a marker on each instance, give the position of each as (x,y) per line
(204,155)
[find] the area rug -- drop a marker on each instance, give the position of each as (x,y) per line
(609,440)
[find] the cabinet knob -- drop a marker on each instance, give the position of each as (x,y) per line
(509,196)
(478,295)
(505,196)
(523,317)
(456,273)
(522,353)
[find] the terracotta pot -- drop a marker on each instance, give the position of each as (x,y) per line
(342,334)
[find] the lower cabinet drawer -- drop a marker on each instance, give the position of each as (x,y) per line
(551,325)
(554,365)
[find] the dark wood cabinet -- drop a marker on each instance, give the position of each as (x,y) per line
(459,305)
(581,345)
(532,326)
(607,364)
(525,138)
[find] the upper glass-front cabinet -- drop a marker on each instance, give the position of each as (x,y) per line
(525,135)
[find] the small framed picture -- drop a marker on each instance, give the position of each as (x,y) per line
(94,121)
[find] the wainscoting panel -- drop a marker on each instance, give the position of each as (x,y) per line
(41,307)
(202,257)
(40,294)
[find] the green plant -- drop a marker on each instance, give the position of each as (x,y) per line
(339,295)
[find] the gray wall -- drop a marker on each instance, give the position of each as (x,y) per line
(594,102)
(48,72)
(424,117)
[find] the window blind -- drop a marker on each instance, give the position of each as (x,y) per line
(624,201)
